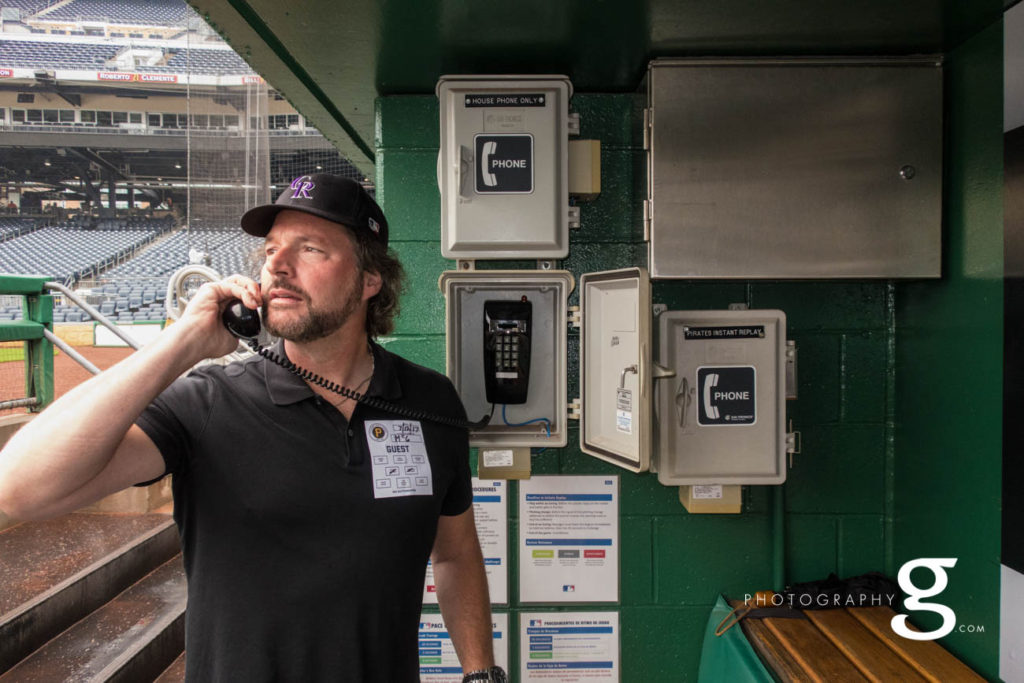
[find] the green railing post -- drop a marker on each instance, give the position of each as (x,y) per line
(39,366)
(37,316)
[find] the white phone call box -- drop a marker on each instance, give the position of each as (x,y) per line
(722,418)
(503,166)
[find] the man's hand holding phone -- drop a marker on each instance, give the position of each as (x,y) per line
(201,327)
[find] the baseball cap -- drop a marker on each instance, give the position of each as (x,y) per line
(338,199)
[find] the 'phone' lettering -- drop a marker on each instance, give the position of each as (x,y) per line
(508,163)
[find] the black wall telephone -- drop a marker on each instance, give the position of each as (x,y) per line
(507,330)
(244,323)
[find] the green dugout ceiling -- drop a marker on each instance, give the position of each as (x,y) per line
(332,58)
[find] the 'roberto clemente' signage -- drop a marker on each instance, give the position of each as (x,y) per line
(126,77)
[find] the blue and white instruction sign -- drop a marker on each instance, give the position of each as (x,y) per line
(569,646)
(490,510)
(438,661)
(569,539)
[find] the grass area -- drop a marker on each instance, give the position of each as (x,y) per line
(11,354)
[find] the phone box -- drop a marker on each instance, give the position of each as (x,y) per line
(503,166)
(466,332)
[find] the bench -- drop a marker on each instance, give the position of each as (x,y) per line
(848,644)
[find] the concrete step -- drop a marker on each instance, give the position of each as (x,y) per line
(56,572)
(175,673)
(132,638)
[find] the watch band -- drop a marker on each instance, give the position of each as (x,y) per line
(495,674)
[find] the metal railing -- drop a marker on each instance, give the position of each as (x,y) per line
(36,331)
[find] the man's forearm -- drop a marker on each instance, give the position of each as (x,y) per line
(71,442)
(466,606)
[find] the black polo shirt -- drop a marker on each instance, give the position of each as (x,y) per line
(305,540)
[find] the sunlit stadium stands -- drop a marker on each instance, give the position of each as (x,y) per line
(49,55)
(11,227)
(150,13)
(67,254)
(206,61)
(27,6)
(227,251)
(134,290)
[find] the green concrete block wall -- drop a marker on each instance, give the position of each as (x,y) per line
(949,336)
(839,496)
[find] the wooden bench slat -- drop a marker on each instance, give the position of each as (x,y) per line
(774,653)
(869,654)
(818,657)
(927,656)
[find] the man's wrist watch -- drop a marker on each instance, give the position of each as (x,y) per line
(493,675)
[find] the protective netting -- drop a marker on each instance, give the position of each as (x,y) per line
(227,143)
(228,150)
(296,155)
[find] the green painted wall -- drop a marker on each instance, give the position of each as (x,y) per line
(949,367)
(843,490)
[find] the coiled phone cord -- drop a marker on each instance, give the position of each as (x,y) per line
(371,401)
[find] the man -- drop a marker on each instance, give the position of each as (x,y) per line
(305,549)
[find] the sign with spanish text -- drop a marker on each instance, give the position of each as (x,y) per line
(569,646)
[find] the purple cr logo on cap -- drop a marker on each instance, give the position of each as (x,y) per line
(373,225)
(301,186)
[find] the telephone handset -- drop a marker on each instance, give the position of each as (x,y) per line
(507,330)
(244,323)
(490,147)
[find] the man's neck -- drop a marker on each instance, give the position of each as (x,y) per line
(342,357)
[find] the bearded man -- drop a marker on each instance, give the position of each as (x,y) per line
(306,518)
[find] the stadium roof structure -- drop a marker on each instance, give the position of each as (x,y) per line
(47,58)
(331,58)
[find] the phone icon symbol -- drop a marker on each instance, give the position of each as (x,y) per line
(710,382)
(489,149)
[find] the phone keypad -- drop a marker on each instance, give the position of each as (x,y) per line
(506,353)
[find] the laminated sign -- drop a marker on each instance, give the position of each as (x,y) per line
(727,395)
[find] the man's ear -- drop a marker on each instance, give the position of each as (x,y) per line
(372,283)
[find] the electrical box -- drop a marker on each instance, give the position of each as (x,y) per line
(615,367)
(507,341)
(503,166)
(721,419)
(795,167)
